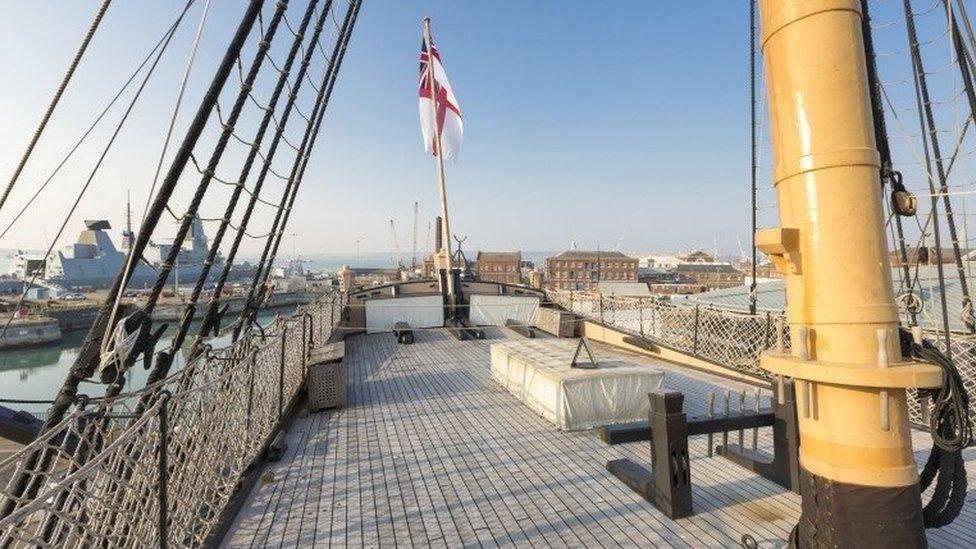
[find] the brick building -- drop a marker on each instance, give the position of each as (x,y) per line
(503,267)
(582,270)
(710,275)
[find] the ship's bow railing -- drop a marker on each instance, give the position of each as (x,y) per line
(731,339)
(157,466)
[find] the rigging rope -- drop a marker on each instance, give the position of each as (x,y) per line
(88,131)
(22,484)
(752,148)
(887,173)
(298,170)
(131,259)
(212,318)
(165,358)
(917,71)
(55,100)
(98,164)
(928,123)
(86,359)
(190,308)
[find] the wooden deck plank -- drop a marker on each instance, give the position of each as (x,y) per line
(538,443)
(454,385)
(485,481)
(430,452)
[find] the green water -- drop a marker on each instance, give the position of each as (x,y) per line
(37,373)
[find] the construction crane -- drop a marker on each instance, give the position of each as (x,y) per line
(396,246)
(413,262)
(620,241)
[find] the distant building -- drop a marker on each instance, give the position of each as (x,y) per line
(536,279)
(670,261)
(710,275)
(38,293)
(662,262)
(765,272)
(652,274)
(677,288)
(698,256)
(583,270)
(499,267)
(351,278)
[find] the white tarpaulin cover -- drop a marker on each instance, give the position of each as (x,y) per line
(494,310)
(420,312)
(538,373)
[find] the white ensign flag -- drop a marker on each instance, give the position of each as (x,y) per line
(448,117)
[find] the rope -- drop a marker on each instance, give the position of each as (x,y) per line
(951,433)
(302,162)
(752,150)
(87,132)
(100,489)
(184,325)
(55,100)
(131,259)
(311,130)
(98,163)
(87,357)
(920,97)
(211,316)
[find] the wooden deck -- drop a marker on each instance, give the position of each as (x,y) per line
(430,452)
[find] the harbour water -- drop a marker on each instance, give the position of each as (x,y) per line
(36,373)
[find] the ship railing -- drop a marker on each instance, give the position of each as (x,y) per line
(158,465)
(732,339)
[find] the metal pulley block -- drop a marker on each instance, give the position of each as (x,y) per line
(904,203)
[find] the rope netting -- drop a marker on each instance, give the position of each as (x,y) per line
(726,338)
(160,464)
(732,339)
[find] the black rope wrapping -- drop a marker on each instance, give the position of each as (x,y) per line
(951,434)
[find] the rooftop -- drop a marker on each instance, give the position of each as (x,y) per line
(624,289)
(581,254)
(499,256)
(705,268)
(431,452)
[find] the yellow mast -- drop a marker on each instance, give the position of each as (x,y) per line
(859,479)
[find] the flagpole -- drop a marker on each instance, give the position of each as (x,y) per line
(445,224)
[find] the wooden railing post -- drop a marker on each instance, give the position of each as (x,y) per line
(281,373)
(640,315)
(163,470)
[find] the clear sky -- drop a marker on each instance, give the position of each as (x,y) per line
(583,121)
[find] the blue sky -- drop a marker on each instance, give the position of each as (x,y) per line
(582,122)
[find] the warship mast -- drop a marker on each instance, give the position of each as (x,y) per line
(856,449)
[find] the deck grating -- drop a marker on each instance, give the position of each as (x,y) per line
(429,452)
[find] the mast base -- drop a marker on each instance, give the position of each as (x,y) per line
(838,514)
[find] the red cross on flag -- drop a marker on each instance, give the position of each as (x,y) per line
(448,117)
